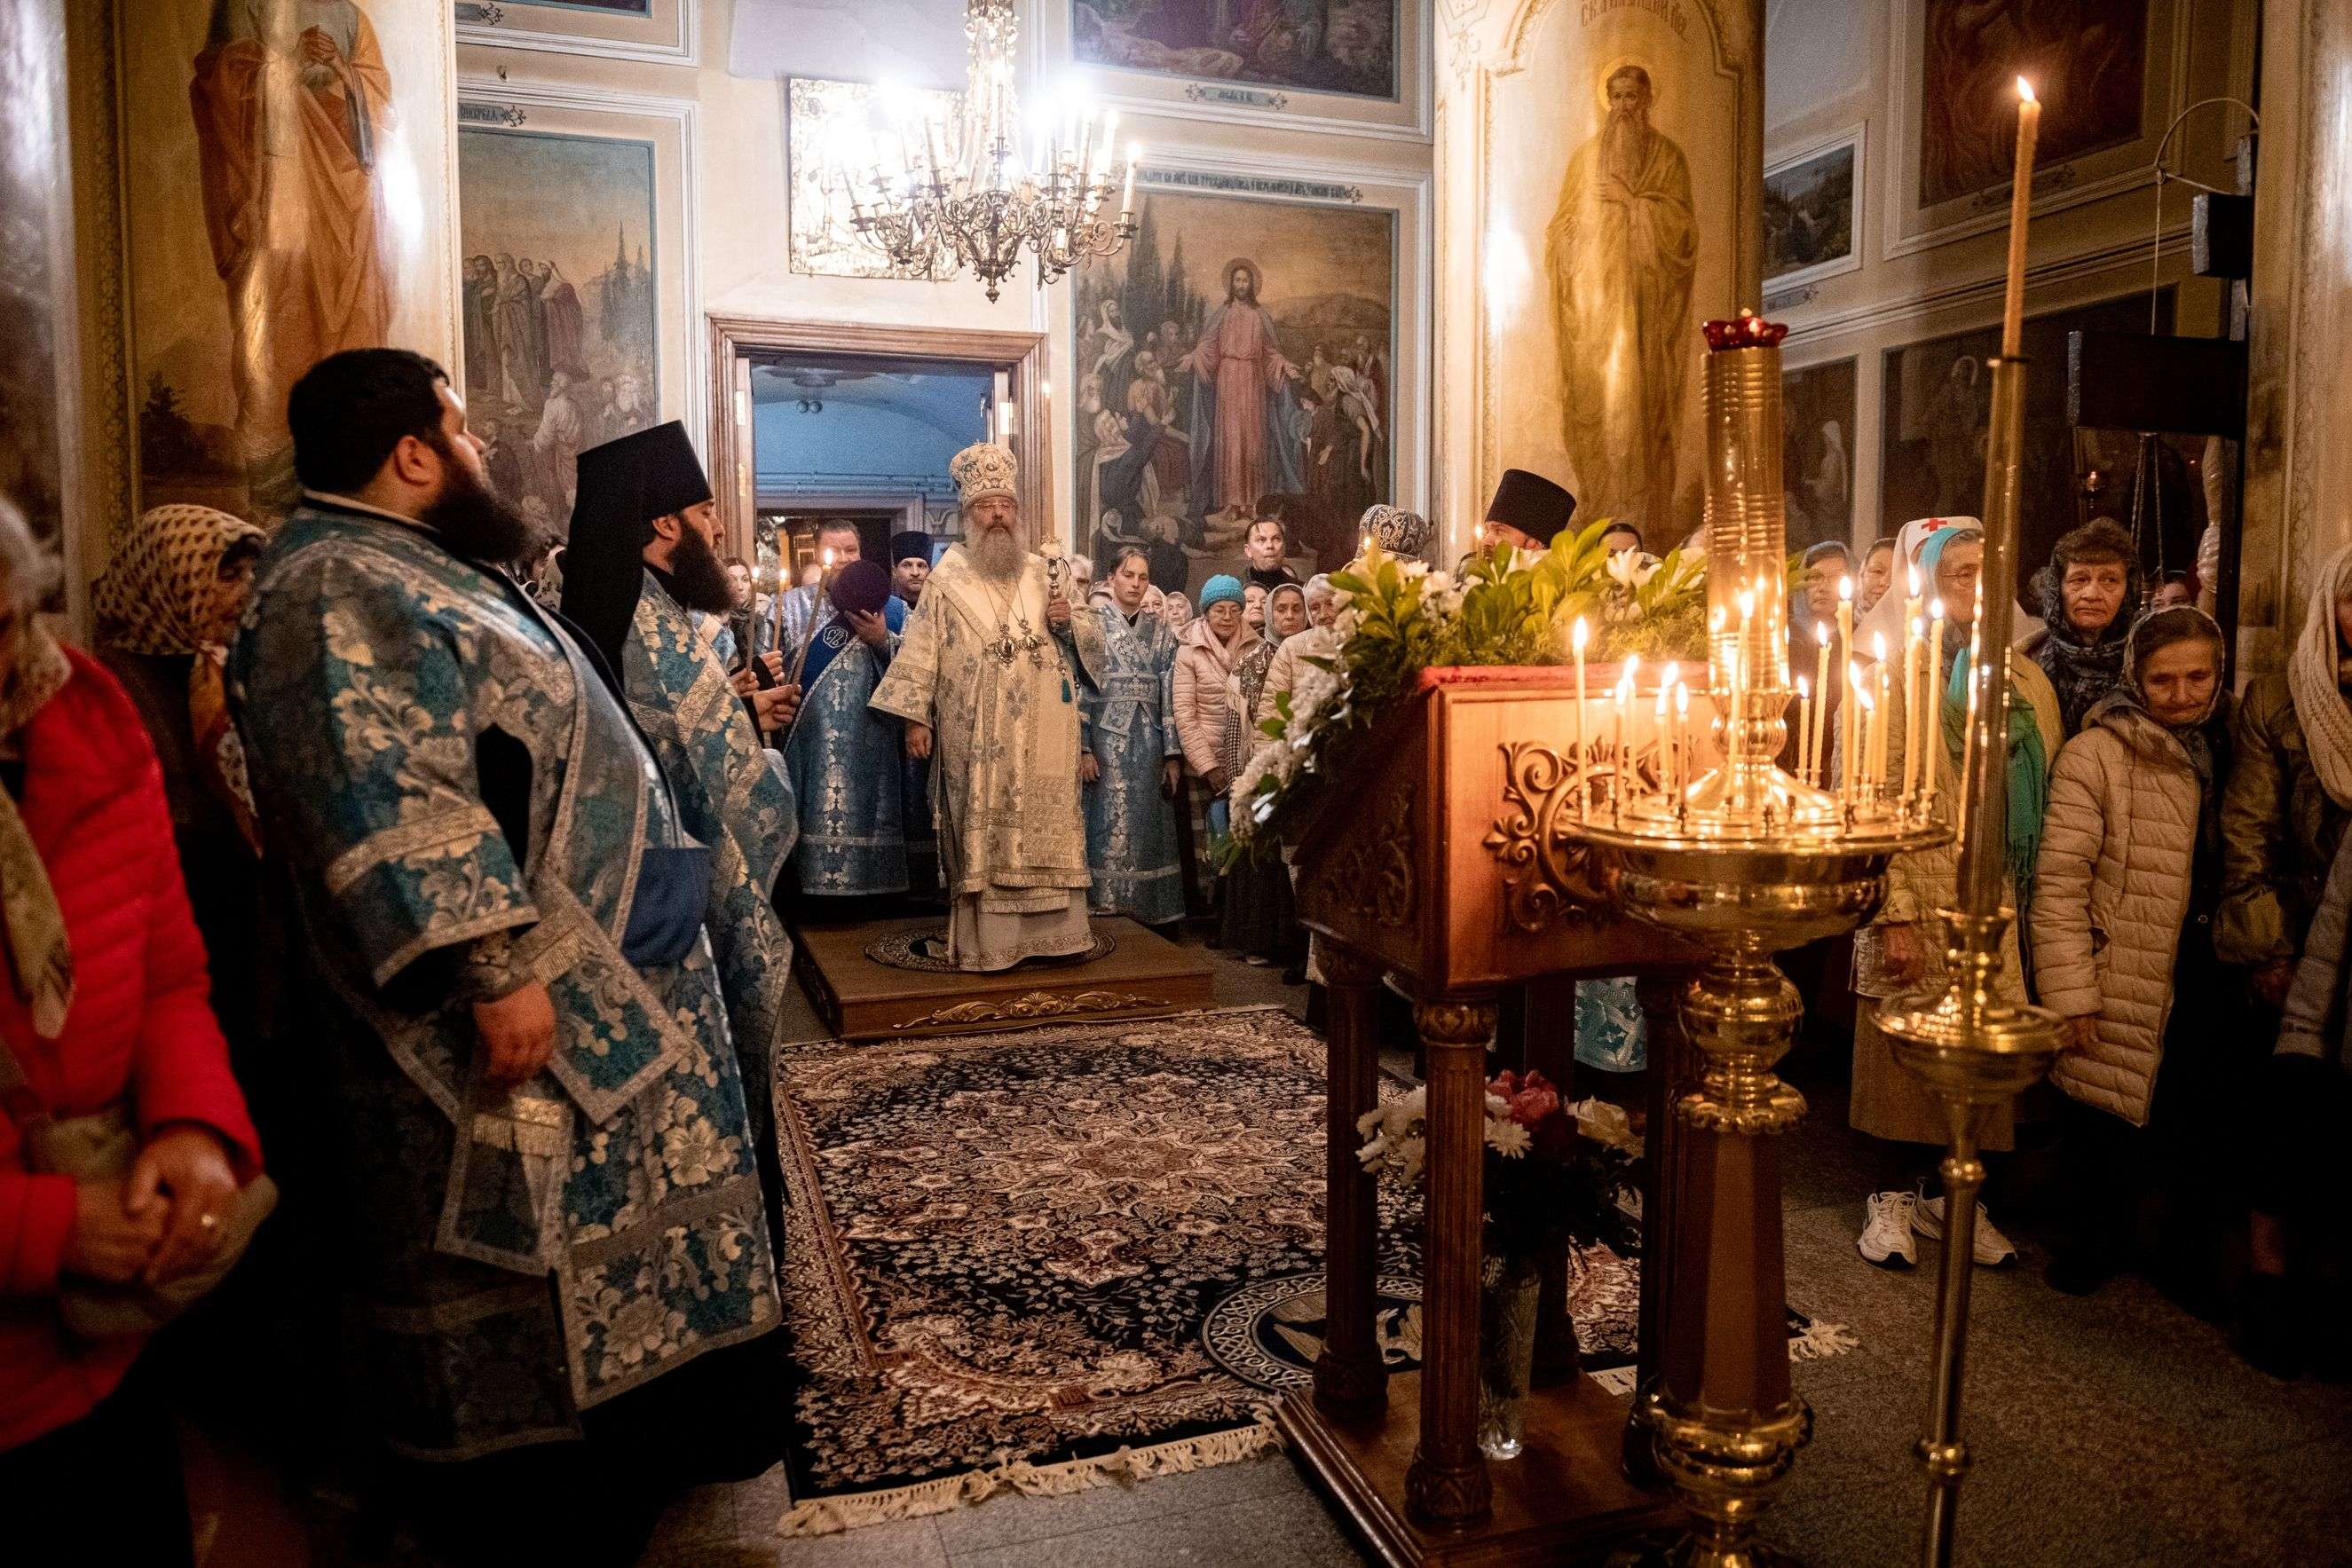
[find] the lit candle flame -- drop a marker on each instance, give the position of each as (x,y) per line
(1915,583)
(1845,588)
(1804,688)
(2025,90)
(1682,700)
(1821,632)
(1579,634)
(1935,611)
(1878,646)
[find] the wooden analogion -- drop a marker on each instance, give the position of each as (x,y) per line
(1442,865)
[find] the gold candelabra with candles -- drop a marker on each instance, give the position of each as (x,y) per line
(1746,860)
(1973,1052)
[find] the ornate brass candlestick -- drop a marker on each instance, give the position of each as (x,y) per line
(1745,861)
(1972,1051)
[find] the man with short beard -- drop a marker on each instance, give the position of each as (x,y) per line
(642,562)
(990,672)
(522,1030)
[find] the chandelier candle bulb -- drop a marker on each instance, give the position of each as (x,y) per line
(1126,201)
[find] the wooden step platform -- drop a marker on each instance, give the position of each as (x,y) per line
(1145,975)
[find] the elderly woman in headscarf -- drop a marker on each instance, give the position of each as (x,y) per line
(2282,819)
(2088,593)
(125,1143)
(1901,950)
(2125,888)
(166,607)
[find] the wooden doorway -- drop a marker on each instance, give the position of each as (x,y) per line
(738,344)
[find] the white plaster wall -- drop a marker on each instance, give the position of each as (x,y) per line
(1828,67)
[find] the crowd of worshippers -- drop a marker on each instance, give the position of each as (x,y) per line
(455,907)
(2172,852)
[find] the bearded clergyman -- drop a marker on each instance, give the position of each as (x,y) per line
(553,1206)
(988,679)
(642,576)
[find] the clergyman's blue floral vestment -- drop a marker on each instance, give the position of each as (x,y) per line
(522,1254)
(847,767)
(1130,726)
(732,798)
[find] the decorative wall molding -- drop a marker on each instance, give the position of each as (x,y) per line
(670,35)
(1982,290)
(1161,178)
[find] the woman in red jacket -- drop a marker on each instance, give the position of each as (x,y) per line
(106,1004)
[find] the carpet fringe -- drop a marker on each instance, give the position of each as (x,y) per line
(1123,1467)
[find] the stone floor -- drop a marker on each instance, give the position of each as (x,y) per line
(2112,1429)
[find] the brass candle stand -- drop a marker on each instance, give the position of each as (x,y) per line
(1745,861)
(1973,1052)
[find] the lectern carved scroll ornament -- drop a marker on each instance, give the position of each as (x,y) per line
(1546,874)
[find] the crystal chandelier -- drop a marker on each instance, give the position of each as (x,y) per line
(947,197)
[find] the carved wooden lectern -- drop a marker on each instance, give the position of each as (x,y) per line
(1441,863)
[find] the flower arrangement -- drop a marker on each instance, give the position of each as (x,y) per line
(1397,618)
(1549,1165)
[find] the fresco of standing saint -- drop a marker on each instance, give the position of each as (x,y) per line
(1620,254)
(291,100)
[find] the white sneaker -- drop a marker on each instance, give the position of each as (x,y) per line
(1992,1249)
(1885,1237)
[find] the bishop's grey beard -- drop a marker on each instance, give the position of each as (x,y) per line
(996,555)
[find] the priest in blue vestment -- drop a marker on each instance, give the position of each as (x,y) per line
(553,1212)
(846,756)
(643,579)
(1133,764)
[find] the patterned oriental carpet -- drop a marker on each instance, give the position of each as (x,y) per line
(1075,1256)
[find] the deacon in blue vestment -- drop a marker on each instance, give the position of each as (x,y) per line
(641,572)
(1134,756)
(553,1201)
(845,757)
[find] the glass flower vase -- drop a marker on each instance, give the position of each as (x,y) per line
(1509,1288)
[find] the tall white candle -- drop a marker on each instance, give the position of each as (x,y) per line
(1851,741)
(1849,717)
(1933,703)
(1804,728)
(1878,712)
(1682,738)
(1577,636)
(1822,689)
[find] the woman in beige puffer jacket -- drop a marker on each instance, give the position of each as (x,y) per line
(2129,875)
